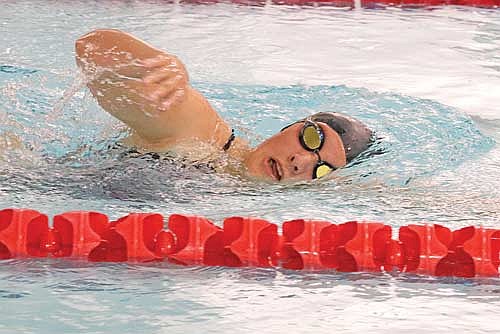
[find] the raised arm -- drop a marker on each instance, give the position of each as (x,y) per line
(148,90)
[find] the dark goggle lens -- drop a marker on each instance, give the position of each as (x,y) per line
(322,170)
(311,137)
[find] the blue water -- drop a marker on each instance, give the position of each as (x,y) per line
(261,68)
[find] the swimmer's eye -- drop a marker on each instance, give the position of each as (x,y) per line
(312,138)
(322,169)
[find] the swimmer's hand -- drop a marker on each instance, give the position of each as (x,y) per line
(166,79)
(124,72)
(161,80)
(146,88)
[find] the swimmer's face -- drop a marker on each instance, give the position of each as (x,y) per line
(283,158)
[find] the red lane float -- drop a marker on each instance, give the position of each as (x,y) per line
(250,242)
(473,3)
(304,244)
(363,3)
(197,241)
(23,233)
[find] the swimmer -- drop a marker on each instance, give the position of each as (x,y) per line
(149,90)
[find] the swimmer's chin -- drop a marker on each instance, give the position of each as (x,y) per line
(265,179)
(287,182)
(260,178)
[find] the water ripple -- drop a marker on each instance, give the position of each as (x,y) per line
(262,68)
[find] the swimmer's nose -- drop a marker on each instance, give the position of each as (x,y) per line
(299,163)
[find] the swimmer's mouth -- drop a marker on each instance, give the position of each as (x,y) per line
(276,171)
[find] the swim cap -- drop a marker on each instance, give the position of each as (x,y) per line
(355,136)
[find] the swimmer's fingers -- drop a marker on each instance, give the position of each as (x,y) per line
(171,99)
(159,68)
(157,61)
(169,91)
(161,74)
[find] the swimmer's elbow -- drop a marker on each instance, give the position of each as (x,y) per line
(91,48)
(98,36)
(83,48)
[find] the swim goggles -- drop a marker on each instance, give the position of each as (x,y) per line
(312,138)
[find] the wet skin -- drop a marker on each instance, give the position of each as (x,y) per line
(149,90)
(282,157)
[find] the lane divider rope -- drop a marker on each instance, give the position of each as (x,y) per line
(303,244)
(360,3)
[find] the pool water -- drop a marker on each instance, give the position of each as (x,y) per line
(426,80)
